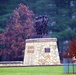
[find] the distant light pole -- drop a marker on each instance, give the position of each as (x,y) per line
(73,64)
(73,67)
(68,62)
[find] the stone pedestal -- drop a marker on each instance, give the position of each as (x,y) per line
(41,51)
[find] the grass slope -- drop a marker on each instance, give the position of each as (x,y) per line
(39,70)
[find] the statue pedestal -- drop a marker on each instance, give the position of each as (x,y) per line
(41,51)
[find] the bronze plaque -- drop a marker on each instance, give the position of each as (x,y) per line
(30,49)
(47,50)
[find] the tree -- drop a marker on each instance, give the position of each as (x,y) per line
(71,54)
(19,28)
(71,49)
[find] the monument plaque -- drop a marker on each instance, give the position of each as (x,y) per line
(47,50)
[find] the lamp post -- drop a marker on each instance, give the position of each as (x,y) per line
(68,62)
(73,64)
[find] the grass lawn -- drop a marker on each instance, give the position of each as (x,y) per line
(37,70)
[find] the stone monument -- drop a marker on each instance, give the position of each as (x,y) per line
(41,50)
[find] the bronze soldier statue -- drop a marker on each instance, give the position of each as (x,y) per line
(41,25)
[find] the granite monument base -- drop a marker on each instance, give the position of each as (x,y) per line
(41,51)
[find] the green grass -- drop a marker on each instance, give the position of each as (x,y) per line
(38,70)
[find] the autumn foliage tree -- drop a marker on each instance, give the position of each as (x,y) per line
(71,49)
(19,28)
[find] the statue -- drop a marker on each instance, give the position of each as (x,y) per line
(41,25)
